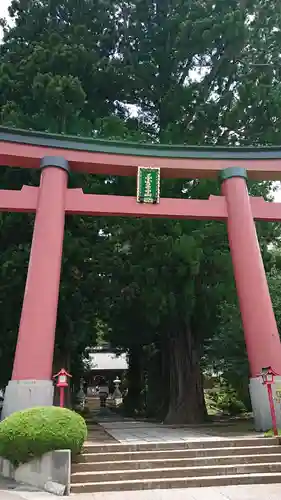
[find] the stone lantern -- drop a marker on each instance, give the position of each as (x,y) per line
(117,396)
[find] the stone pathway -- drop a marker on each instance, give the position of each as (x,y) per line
(27,495)
(272,492)
(142,432)
(98,434)
(132,431)
(10,490)
(256,492)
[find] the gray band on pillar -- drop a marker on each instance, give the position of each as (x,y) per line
(230,172)
(55,161)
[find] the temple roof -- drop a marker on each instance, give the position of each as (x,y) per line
(107,361)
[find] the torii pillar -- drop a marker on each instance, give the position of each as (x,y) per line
(260,328)
(31,383)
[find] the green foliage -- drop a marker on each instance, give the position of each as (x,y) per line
(270,433)
(226,400)
(225,352)
(30,433)
(195,73)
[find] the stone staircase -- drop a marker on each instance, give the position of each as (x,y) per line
(115,467)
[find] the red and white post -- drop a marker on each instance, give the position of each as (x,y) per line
(260,328)
(31,383)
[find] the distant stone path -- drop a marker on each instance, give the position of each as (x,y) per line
(96,432)
(131,431)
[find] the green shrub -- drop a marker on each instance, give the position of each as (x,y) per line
(225,399)
(30,433)
(270,433)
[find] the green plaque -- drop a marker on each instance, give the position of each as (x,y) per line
(148,190)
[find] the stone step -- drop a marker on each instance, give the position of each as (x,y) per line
(94,432)
(186,482)
(202,443)
(175,462)
(172,453)
(175,472)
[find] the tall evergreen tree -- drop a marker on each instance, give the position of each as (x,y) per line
(194,72)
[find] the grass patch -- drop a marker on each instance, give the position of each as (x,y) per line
(270,433)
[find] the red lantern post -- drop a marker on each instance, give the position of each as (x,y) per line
(62,382)
(268,376)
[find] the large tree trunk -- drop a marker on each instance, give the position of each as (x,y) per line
(157,397)
(186,402)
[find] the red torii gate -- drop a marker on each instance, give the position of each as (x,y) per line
(31,383)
